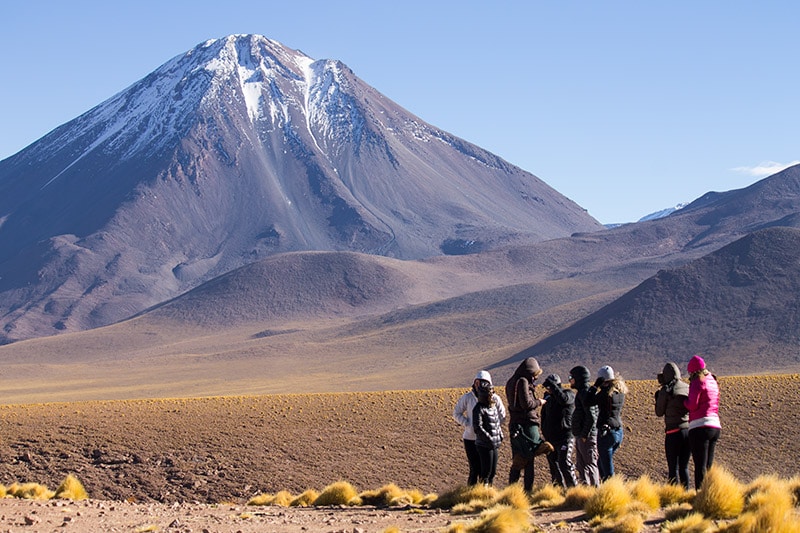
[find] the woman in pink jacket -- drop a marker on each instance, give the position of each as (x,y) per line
(704,426)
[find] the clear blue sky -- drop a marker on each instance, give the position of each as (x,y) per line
(626,107)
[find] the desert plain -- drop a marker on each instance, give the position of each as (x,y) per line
(192,464)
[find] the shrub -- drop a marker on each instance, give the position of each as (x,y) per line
(499,519)
(577,497)
(261,499)
(677,511)
(71,489)
(610,499)
(282,498)
(769,507)
(306,499)
(513,496)
(339,493)
(30,491)
(549,496)
(672,494)
(720,495)
(691,523)
(629,523)
(645,491)
(464,495)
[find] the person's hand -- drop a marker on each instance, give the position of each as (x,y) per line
(543,400)
(599,382)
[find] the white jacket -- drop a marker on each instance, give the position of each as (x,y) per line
(462,412)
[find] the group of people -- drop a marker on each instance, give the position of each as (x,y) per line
(579,428)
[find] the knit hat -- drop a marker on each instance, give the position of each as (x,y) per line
(555,379)
(484,375)
(695,363)
(580,373)
(606,372)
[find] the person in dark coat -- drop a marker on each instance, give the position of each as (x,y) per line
(609,395)
(557,429)
(486,423)
(524,421)
(669,403)
(584,427)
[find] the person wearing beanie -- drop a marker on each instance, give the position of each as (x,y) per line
(584,428)
(669,400)
(608,393)
(704,425)
(487,425)
(557,429)
(524,421)
(462,413)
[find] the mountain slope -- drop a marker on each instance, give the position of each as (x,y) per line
(737,306)
(237,150)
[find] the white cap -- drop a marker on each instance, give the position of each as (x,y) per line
(484,375)
(606,372)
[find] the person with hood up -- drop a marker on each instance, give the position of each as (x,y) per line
(524,421)
(462,413)
(609,394)
(669,403)
(704,424)
(557,429)
(486,424)
(584,427)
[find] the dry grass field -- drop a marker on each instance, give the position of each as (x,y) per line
(217,453)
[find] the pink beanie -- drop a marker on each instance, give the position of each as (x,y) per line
(695,363)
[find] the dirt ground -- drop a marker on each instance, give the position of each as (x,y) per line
(192,464)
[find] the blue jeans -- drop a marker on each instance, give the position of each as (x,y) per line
(608,441)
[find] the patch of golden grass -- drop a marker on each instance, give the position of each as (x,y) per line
(261,499)
(670,494)
(30,491)
(513,496)
(339,493)
(283,498)
(498,519)
(464,495)
(645,491)
(629,523)
(71,489)
(720,496)
(3,491)
(577,497)
(391,529)
(677,511)
(306,499)
(769,506)
(610,499)
(392,496)
(690,523)
(548,496)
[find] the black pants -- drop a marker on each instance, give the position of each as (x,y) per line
(488,457)
(474,461)
(676,446)
(702,441)
(562,469)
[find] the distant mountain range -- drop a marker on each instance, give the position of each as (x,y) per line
(249,220)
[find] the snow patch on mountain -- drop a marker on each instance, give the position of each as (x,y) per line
(663,213)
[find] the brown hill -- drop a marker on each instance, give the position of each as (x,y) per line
(738,307)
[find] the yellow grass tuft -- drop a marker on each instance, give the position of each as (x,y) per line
(464,495)
(498,519)
(283,498)
(71,489)
(391,495)
(549,496)
(429,499)
(513,496)
(769,507)
(306,499)
(30,491)
(645,491)
(577,497)
(720,496)
(629,523)
(610,499)
(3,491)
(391,529)
(339,493)
(261,499)
(677,511)
(691,523)
(670,494)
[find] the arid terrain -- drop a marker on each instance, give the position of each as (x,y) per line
(192,464)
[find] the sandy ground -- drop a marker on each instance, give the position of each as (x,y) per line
(192,464)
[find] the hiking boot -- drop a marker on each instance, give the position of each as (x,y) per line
(543,448)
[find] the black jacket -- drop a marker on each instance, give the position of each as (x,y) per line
(557,414)
(584,418)
(486,423)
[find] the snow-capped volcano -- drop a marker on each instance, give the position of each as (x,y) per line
(236,150)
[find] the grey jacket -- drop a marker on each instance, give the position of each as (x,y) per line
(669,398)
